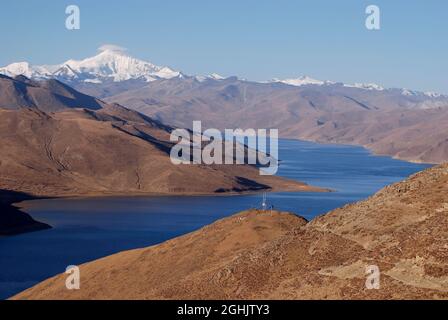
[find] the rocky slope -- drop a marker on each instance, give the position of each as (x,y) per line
(403,230)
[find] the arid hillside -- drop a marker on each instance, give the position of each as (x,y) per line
(109,151)
(402,230)
(49,95)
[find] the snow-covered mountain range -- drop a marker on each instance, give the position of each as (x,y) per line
(107,65)
(306,81)
(116,66)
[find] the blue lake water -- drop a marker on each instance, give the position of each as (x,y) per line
(87,229)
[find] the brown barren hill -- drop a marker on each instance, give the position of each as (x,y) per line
(106,152)
(402,230)
(49,95)
(173,269)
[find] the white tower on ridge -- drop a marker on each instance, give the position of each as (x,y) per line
(264,204)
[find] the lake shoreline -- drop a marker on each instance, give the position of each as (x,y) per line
(372,151)
(16,199)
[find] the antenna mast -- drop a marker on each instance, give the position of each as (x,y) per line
(264,204)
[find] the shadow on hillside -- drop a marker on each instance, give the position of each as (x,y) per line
(10,196)
(14,221)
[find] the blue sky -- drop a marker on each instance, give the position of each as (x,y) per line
(256,40)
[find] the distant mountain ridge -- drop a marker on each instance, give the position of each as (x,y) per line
(117,66)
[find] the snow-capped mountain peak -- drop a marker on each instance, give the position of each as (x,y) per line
(212,76)
(65,71)
(301,81)
(118,66)
(18,68)
(366,86)
(108,65)
(432,94)
(306,80)
(24,68)
(216,76)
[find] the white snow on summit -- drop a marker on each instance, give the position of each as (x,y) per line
(213,76)
(306,80)
(119,66)
(366,86)
(432,94)
(302,81)
(216,76)
(24,68)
